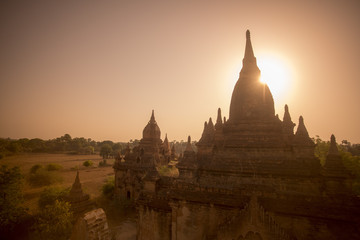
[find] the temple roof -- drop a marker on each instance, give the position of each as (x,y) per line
(333,148)
(188,145)
(218,120)
(208,133)
(333,163)
(287,117)
(151,130)
(76,190)
(76,193)
(166,144)
(301,131)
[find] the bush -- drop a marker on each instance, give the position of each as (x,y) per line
(88,163)
(43,178)
(53,167)
(108,188)
(35,168)
(168,171)
(103,163)
(51,194)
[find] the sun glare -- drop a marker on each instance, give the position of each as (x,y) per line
(276,74)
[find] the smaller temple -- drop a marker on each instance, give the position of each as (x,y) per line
(90,223)
(338,177)
(80,202)
(133,168)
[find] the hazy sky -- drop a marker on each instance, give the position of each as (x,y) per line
(96,69)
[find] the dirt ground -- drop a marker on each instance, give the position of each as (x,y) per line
(92,178)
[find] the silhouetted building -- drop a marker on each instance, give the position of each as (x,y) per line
(251,177)
(140,162)
(80,202)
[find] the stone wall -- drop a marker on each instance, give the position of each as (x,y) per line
(92,226)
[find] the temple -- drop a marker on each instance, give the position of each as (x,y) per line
(79,201)
(251,177)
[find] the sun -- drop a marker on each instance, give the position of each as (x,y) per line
(276,73)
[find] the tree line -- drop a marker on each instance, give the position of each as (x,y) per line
(63,144)
(69,145)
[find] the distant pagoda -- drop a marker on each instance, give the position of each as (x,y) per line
(80,202)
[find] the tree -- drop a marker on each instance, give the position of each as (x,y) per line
(321,149)
(39,176)
(54,222)
(66,138)
(51,194)
(14,147)
(108,188)
(105,151)
(89,150)
(11,198)
(37,145)
(116,148)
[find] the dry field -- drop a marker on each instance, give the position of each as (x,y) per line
(92,178)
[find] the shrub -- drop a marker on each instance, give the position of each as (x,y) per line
(43,178)
(108,188)
(168,171)
(53,167)
(88,163)
(50,194)
(35,168)
(103,163)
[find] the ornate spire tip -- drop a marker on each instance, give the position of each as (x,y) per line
(248,34)
(332,138)
(301,120)
(152,116)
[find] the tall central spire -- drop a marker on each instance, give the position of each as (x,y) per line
(249,61)
(251,100)
(249,53)
(152,118)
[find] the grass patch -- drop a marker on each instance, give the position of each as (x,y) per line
(91,178)
(43,177)
(40,176)
(53,167)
